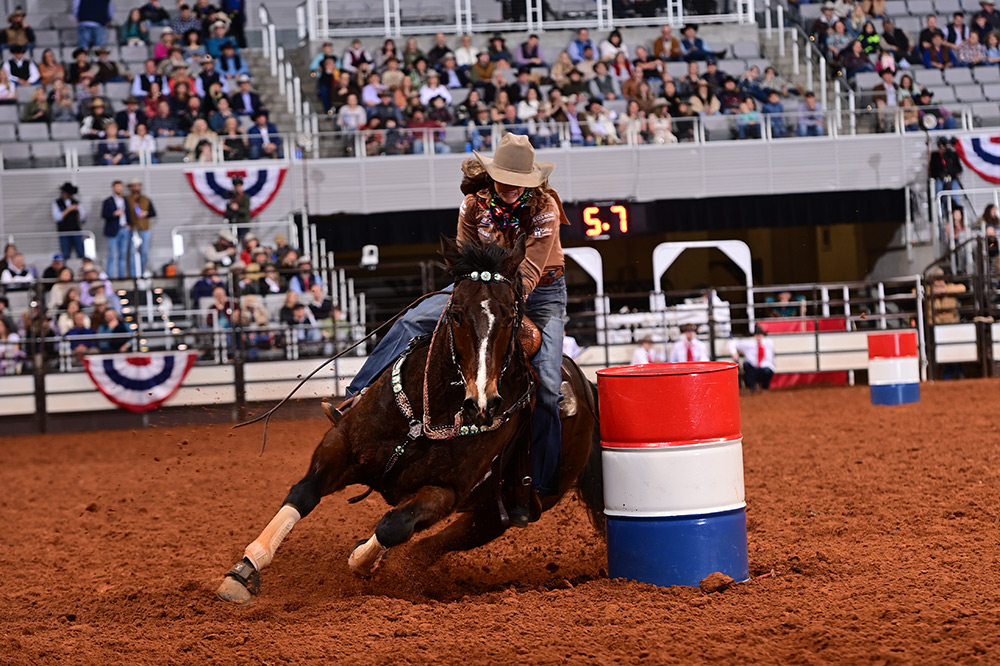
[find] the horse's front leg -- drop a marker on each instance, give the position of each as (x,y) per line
(428,506)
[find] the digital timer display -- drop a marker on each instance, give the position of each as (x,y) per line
(598,227)
(604,220)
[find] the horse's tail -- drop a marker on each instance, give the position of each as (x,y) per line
(590,485)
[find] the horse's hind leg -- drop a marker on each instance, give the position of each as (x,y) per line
(328,473)
(470,530)
(429,505)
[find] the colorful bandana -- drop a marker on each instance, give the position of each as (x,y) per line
(505,216)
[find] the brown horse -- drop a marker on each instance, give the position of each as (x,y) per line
(442,430)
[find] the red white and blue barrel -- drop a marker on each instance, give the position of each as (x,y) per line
(672,452)
(893,368)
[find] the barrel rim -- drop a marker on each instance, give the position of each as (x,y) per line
(667,369)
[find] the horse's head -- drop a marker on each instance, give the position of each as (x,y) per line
(483,316)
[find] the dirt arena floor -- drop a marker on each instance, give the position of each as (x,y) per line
(873,540)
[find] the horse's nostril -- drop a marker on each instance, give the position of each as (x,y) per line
(469,406)
(493,406)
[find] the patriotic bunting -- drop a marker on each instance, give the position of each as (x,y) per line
(139,382)
(982,155)
(214,186)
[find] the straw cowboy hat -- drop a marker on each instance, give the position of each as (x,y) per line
(514,163)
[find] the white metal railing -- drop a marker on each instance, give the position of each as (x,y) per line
(318,21)
(289,83)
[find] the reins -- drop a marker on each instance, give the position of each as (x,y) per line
(266,416)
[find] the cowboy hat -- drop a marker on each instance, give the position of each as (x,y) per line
(513,163)
(227,235)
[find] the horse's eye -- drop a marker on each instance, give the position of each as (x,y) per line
(456,317)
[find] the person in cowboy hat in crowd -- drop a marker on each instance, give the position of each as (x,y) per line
(507,197)
(689,349)
(646,352)
(17,31)
(238,208)
(223,251)
(21,70)
(989,10)
(141,213)
(68,214)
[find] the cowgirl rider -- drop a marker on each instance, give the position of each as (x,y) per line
(507,196)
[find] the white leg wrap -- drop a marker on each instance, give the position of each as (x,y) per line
(262,550)
(365,558)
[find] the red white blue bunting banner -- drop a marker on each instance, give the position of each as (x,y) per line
(982,155)
(214,186)
(139,382)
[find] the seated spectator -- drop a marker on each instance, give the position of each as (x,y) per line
(385,109)
(784,306)
(895,41)
(231,65)
(772,81)
(659,124)
(163,124)
(51,272)
(5,312)
(264,138)
(93,284)
(694,47)
(498,50)
(304,278)
(112,150)
(870,40)
(108,70)
(355,55)
(576,47)
(419,138)
(992,48)
(214,44)
(907,87)
(811,119)
(943,117)
(141,142)
(956,32)
(217,117)
(570,114)
(604,86)
(730,98)
(370,93)
(392,75)
(576,85)
(37,110)
(94,124)
(223,251)
(774,112)
(911,115)
(351,117)
(17,32)
(325,53)
(321,306)
(670,97)
(855,61)
(666,46)
(632,126)
(621,68)
(220,312)
(758,358)
(81,329)
(154,12)
(587,64)
(244,101)
(303,324)
(440,112)
(9,251)
(971,53)
(21,70)
(130,117)
(333,87)
(71,307)
(64,108)
(271,282)
(938,56)
(142,84)
(234,142)
(253,316)
(112,325)
(749,84)
(206,285)
(49,69)
(200,142)
(135,30)
(435,57)
(11,355)
(856,21)
(185,20)
(652,69)
(480,129)
(519,89)
(748,120)
(601,123)
(704,102)
(465,55)
(80,67)
(451,76)
(482,71)
(162,48)
(529,53)
(981,24)
(17,276)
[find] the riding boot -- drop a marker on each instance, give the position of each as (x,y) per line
(527,506)
(335,414)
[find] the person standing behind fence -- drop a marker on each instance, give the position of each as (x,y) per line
(69,215)
(114,211)
(141,215)
(646,353)
(758,359)
(689,349)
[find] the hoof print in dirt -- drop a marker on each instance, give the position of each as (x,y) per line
(715,582)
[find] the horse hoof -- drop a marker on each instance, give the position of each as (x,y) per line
(234,592)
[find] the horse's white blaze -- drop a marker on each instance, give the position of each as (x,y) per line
(483,346)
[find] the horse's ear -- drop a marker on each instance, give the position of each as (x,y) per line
(449,250)
(516,256)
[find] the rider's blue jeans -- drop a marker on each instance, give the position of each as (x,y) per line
(546,307)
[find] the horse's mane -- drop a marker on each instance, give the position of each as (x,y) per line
(491,257)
